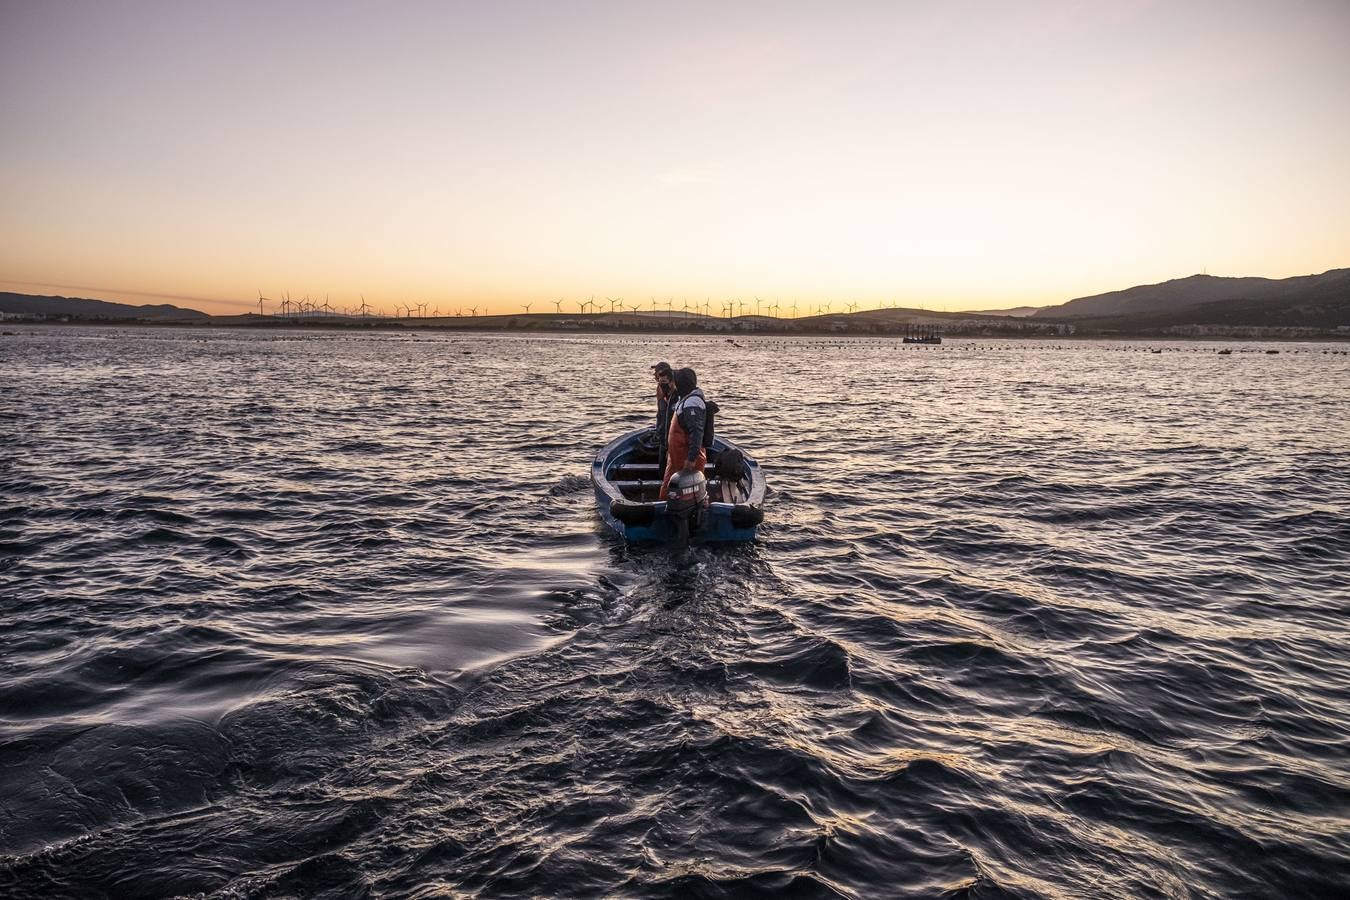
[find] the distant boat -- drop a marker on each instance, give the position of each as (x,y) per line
(922,334)
(1228,352)
(626,474)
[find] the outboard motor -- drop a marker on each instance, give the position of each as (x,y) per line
(686,500)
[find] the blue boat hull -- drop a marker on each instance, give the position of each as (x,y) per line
(646,521)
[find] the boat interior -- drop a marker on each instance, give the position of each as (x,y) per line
(638,476)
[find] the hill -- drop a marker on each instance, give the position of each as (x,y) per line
(1016,312)
(81,308)
(1209,299)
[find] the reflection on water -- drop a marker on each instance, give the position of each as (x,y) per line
(331,615)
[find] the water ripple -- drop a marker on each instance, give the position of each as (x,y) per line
(331,615)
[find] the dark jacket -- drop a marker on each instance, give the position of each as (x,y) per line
(665,395)
(691,411)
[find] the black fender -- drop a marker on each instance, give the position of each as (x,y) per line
(743,515)
(632,513)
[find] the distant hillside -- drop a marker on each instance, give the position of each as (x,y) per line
(1016,312)
(80,308)
(1209,299)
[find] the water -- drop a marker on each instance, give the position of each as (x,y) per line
(326,614)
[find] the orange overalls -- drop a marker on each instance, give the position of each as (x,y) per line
(677,450)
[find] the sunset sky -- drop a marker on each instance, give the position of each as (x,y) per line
(966,155)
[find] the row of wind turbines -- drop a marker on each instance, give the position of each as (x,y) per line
(726,309)
(308,308)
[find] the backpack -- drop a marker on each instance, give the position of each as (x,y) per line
(709,416)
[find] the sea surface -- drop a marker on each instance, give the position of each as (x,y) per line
(330,614)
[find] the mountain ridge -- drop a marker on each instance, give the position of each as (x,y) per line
(1168,298)
(85,308)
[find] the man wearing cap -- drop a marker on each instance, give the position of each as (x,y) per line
(665,393)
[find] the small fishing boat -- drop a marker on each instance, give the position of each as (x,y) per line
(922,334)
(725,505)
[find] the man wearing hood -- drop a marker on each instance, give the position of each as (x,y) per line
(684,441)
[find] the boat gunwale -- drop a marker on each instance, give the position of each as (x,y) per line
(600,477)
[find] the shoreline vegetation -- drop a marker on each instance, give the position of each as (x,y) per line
(835,326)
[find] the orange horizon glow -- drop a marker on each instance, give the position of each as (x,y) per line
(451,306)
(969,157)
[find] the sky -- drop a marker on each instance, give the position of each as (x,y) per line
(955,155)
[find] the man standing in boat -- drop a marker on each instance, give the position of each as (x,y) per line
(665,395)
(688,416)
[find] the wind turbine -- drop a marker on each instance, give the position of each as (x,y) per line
(473,312)
(557,305)
(853,307)
(527,307)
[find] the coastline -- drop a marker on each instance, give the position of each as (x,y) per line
(1280,334)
